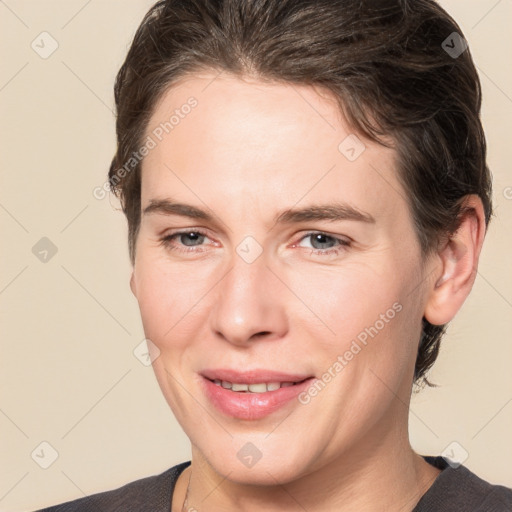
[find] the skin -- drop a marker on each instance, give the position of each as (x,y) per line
(248,151)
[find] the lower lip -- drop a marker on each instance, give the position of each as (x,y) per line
(251,406)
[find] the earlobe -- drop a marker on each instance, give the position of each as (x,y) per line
(458,260)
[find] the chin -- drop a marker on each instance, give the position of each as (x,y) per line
(242,462)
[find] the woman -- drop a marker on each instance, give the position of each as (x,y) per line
(307,197)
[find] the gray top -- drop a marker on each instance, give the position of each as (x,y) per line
(457,490)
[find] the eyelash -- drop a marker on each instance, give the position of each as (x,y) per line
(166,241)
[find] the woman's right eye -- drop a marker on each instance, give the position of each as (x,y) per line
(188,239)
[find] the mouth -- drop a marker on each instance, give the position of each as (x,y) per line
(252,395)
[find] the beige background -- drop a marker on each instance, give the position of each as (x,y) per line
(69,326)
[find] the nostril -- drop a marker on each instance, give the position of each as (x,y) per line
(262,333)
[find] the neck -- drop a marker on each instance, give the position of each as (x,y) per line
(381,472)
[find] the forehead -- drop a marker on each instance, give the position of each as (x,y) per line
(262,147)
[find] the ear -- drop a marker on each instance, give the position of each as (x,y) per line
(457,264)
(133,288)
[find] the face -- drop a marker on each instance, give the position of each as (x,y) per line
(274,253)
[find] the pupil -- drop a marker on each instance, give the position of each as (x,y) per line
(192,235)
(318,239)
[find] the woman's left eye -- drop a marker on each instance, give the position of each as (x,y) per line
(322,243)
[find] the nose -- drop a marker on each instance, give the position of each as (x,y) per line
(249,303)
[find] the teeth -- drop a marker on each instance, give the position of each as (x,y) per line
(253,388)
(258,388)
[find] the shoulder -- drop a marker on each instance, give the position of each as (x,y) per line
(154,492)
(459,487)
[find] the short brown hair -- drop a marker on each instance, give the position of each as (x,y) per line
(387,62)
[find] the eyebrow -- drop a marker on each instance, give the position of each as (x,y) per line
(330,212)
(168,207)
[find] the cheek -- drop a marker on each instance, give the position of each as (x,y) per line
(168,296)
(359,319)
(346,299)
(362,341)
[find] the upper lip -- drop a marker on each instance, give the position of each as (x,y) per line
(257,376)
